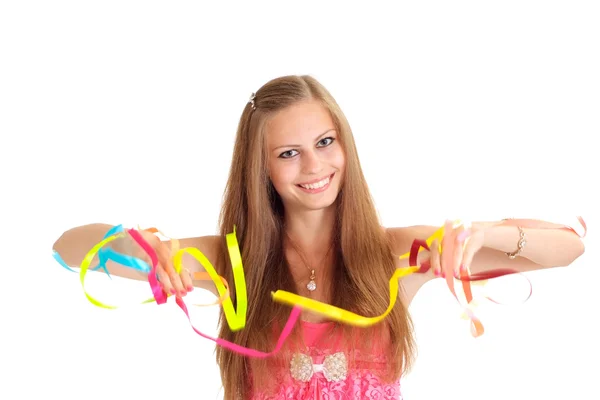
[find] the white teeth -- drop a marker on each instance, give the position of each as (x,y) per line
(317,185)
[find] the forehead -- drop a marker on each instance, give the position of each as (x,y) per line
(299,122)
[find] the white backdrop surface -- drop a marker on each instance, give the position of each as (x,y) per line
(125,112)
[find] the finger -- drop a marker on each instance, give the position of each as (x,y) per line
(459,234)
(435,258)
(464,239)
(460,271)
(162,277)
(161,270)
(164,256)
(186,279)
(448,250)
(469,254)
(164,280)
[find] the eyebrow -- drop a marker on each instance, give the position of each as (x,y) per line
(297,145)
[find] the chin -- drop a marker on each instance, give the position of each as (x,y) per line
(316,207)
(322,203)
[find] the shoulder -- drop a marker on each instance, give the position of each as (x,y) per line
(401,240)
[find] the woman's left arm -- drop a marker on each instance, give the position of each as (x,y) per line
(521,245)
(489,244)
(542,248)
(487,247)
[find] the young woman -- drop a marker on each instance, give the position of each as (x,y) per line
(306,223)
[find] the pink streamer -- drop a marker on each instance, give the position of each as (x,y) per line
(161,298)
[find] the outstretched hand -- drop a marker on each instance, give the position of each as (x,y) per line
(171,282)
(458,247)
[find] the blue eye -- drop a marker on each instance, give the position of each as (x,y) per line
(286,154)
(322,143)
(330,139)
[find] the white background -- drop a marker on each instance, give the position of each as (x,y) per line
(125,112)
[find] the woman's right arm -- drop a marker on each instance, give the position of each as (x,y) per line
(74,244)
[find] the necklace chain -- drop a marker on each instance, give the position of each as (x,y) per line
(312,284)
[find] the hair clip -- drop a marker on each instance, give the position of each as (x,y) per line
(251,101)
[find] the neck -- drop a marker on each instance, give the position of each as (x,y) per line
(311,231)
(308,246)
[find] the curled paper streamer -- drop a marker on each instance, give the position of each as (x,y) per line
(447,254)
(87,260)
(477,329)
(347,317)
(159,294)
(235,320)
(196,276)
(106,254)
(239,318)
(339,314)
(466,278)
(246,351)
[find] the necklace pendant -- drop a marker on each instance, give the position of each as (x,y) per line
(312,285)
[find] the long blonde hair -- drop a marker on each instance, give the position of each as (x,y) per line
(364,260)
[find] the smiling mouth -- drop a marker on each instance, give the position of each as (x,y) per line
(317,185)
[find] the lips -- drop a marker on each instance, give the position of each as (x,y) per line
(317,183)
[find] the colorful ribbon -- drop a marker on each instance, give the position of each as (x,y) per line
(87,260)
(158,293)
(196,276)
(339,314)
(347,317)
(465,277)
(106,254)
(237,319)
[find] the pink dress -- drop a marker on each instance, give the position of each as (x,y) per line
(319,372)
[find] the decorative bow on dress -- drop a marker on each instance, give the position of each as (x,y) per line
(334,367)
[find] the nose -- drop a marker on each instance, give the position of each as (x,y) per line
(311,162)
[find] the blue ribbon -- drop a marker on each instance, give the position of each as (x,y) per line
(108,254)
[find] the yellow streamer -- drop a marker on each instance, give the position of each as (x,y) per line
(339,314)
(85,264)
(235,320)
(345,316)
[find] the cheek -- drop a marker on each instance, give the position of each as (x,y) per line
(340,163)
(340,159)
(281,176)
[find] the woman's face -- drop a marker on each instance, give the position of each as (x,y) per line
(305,158)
